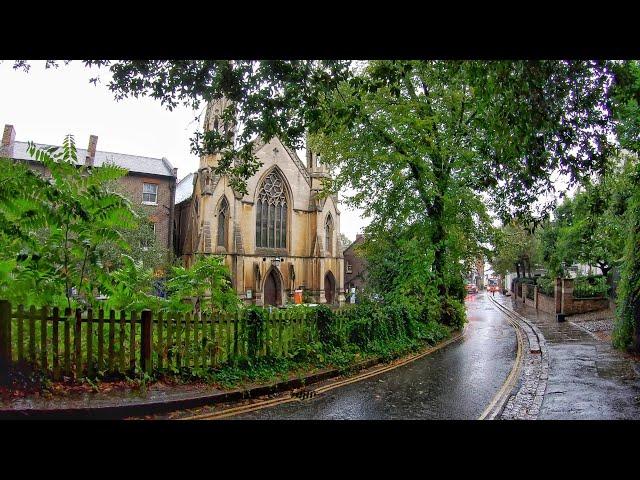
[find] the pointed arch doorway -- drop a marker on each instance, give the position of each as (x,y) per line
(329,288)
(272,289)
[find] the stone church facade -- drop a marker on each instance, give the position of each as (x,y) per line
(280,236)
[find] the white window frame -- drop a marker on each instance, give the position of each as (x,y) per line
(149,202)
(349,268)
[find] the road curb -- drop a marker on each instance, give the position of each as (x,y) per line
(117,412)
(525,399)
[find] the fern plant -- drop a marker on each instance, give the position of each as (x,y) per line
(53,222)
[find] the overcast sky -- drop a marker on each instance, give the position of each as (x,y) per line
(44,105)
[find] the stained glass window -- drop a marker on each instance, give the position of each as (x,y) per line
(328,234)
(271,213)
(223,223)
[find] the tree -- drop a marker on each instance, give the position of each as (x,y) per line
(268,98)
(143,245)
(53,225)
(590,227)
(625,101)
(419,141)
(515,248)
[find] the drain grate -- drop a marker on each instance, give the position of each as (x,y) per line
(304,394)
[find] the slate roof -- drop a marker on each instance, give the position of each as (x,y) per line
(184,189)
(133,163)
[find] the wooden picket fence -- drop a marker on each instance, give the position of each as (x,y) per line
(90,343)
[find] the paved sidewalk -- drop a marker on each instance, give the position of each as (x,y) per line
(588,378)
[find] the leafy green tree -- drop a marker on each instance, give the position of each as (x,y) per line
(626,333)
(418,140)
(206,284)
(269,98)
(590,227)
(54,224)
(131,287)
(515,248)
(625,101)
(142,243)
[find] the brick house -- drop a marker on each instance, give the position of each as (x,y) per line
(354,266)
(150,182)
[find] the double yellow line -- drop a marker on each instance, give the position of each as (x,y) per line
(489,413)
(291,398)
(499,398)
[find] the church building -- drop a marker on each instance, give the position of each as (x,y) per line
(281,236)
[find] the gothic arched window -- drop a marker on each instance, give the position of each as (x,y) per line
(271,214)
(223,222)
(328,233)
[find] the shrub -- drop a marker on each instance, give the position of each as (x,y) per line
(453,313)
(325,319)
(589,287)
(530,293)
(546,285)
(255,318)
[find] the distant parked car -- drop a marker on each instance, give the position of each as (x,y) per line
(471,288)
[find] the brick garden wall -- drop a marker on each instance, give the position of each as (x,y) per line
(572,306)
(546,303)
(584,305)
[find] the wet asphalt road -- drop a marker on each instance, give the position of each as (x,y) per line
(456,382)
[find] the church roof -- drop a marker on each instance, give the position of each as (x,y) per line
(184,189)
(133,163)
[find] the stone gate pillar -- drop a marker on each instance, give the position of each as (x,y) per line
(567,296)
(557,295)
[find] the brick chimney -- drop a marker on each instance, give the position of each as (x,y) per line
(8,140)
(91,151)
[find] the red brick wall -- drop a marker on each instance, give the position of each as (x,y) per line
(131,186)
(159,214)
(584,305)
(358,266)
(546,303)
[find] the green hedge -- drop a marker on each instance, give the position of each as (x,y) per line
(546,286)
(590,287)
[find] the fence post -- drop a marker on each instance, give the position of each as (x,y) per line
(5,332)
(145,343)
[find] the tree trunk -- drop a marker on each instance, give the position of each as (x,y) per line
(438,242)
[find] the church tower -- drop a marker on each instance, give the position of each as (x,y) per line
(213,122)
(206,182)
